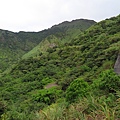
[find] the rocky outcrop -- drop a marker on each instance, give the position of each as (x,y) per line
(117,65)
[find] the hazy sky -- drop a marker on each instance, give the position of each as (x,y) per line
(36,15)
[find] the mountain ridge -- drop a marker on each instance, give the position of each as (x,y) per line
(13,45)
(80,69)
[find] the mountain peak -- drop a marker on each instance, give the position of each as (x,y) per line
(82,24)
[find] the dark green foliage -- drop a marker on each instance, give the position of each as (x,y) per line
(81,24)
(2,108)
(77,89)
(109,81)
(47,96)
(14,45)
(73,66)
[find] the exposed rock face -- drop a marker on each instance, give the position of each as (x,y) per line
(117,65)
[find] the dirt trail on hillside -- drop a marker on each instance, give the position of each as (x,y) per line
(51,85)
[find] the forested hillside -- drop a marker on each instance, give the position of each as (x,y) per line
(66,81)
(14,45)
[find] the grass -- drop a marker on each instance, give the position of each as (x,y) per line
(89,108)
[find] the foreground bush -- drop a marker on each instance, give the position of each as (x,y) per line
(109,81)
(89,108)
(78,88)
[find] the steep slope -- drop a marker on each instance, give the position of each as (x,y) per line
(14,45)
(77,62)
(60,34)
(49,42)
(81,24)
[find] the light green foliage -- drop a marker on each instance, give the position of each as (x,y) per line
(78,88)
(47,80)
(91,107)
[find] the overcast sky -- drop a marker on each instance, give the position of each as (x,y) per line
(36,15)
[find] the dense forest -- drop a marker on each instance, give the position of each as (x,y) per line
(14,45)
(67,74)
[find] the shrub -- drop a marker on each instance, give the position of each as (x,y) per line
(78,88)
(2,108)
(48,96)
(109,81)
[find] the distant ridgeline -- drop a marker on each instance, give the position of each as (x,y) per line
(117,65)
(54,74)
(14,45)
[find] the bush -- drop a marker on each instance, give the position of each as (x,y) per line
(2,108)
(109,81)
(78,88)
(48,96)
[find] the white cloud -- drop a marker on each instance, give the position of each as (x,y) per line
(35,15)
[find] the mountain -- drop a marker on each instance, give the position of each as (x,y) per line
(14,45)
(81,24)
(60,34)
(71,80)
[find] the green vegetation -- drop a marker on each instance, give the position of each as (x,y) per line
(14,45)
(109,81)
(81,68)
(77,89)
(47,96)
